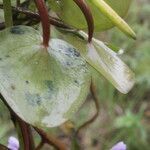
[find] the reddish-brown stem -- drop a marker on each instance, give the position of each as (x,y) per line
(24,131)
(43,12)
(94,95)
(88,15)
(24,128)
(51,140)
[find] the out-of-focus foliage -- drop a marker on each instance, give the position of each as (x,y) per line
(122,117)
(125,117)
(129,114)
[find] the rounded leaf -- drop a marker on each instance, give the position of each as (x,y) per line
(43,86)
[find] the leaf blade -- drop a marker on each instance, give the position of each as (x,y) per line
(47,84)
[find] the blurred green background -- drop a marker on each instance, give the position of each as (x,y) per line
(122,117)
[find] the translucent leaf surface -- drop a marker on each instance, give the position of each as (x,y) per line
(103,59)
(44,87)
(107,62)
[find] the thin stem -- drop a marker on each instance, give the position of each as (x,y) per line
(23,129)
(31,138)
(51,140)
(88,15)
(94,95)
(7,13)
(45,21)
(19,133)
(52,20)
(24,133)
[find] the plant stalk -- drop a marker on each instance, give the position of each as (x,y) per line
(96,102)
(8,13)
(50,140)
(88,15)
(23,129)
(43,12)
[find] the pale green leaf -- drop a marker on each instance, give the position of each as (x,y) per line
(43,86)
(107,62)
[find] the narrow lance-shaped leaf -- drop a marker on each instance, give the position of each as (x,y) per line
(114,17)
(43,86)
(107,62)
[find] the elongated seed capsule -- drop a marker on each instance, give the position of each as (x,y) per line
(114,17)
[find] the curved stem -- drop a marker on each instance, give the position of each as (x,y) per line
(88,15)
(45,21)
(51,140)
(52,20)
(22,133)
(93,92)
(23,129)
(7,13)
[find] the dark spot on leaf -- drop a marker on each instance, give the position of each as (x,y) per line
(76,81)
(27,82)
(13,87)
(17,30)
(33,99)
(50,85)
(0,59)
(73,52)
(77,54)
